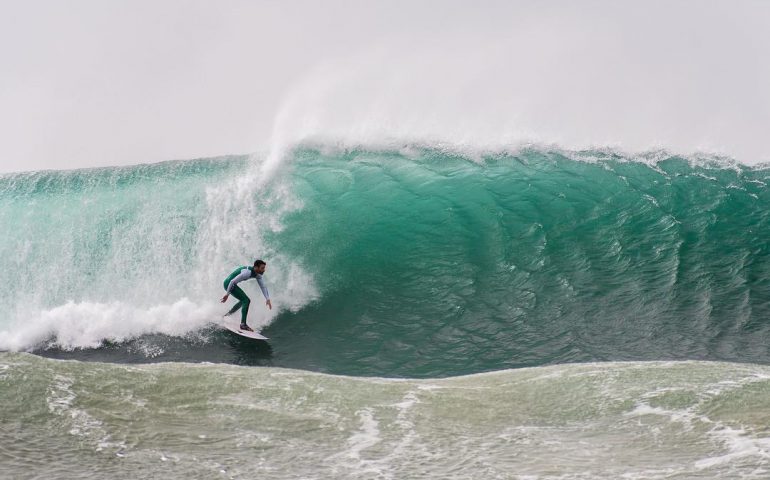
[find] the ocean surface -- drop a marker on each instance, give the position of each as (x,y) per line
(532,314)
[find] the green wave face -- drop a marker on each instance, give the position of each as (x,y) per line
(417,263)
(434,265)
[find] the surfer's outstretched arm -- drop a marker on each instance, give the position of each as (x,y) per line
(265,292)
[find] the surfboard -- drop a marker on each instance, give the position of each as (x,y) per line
(233,324)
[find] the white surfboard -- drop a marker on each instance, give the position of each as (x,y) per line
(234,325)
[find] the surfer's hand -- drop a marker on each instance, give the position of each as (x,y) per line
(269,304)
(224,299)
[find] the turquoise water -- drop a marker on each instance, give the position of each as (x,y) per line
(437,265)
(536,314)
(416,263)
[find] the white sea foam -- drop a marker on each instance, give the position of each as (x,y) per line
(87,325)
(366,437)
(740,445)
(61,400)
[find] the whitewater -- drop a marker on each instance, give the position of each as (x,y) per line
(182,420)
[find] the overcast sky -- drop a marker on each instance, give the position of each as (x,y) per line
(99,82)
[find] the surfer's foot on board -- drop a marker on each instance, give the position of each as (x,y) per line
(246,327)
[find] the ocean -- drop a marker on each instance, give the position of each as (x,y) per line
(438,313)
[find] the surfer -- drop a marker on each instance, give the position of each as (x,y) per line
(231,286)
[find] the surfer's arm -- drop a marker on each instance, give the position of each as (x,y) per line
(263,288)
(265,292)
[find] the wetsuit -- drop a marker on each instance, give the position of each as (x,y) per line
(231,286)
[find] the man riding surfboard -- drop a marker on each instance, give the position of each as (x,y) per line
(231,287)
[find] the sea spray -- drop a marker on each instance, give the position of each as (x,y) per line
(114,254)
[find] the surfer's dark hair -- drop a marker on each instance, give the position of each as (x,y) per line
(257,263)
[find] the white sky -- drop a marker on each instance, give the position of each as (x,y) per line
(100,82)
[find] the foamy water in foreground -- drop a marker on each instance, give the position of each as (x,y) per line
(177,420)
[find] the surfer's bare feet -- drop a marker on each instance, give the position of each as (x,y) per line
(246,327)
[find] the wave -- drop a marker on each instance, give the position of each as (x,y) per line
(409,262)
(120,252)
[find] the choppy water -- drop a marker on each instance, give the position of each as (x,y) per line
(178,420)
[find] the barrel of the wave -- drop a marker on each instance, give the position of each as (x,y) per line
(439,263)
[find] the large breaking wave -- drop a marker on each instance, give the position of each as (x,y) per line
(411,261)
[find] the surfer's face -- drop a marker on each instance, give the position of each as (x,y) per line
(261,269)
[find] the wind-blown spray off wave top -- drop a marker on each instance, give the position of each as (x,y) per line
(405,262)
